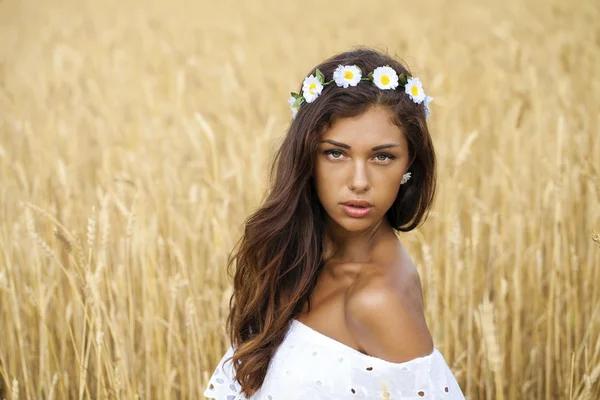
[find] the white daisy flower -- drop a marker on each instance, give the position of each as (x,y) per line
(426,104)
(385,78)
(347,75)
(311,88)
(414,88)
(294,109)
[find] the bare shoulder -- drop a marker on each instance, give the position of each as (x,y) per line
(384,312)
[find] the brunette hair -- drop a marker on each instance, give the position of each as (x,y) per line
(280,253)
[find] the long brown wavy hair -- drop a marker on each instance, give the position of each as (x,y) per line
(280,253)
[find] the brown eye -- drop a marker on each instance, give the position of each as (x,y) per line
(386,157)
(331,152)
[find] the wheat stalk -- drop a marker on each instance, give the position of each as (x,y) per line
(596,238)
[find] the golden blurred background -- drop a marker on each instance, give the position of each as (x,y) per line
(135,137)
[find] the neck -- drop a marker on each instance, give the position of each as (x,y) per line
(345,246)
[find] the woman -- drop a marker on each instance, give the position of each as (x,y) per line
(327,303)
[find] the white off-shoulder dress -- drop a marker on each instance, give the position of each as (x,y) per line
(309,365)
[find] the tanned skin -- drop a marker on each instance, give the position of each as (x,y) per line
(368,295)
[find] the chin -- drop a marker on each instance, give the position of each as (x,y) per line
(357,226)
(354,224)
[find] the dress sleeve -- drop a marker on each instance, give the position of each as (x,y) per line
(222,385)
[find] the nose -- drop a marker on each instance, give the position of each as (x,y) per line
(359,179)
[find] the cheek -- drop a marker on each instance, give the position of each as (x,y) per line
(387,186)
(322,171)
(324,181)
(393,179)
(387,177)
(330,181)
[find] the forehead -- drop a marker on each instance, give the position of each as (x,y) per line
(371,128)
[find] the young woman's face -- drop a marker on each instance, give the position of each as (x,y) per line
(360,158)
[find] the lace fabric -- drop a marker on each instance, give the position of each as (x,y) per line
(311,365)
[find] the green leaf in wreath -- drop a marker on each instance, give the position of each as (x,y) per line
(320,76)
(402,79)
(299,101)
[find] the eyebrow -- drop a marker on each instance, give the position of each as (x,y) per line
(345,146)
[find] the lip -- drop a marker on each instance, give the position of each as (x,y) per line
(357,212)
(361,203)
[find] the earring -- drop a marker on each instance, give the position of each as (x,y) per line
(405,178)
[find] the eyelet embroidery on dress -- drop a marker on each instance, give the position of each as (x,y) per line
(386,394)
(225,388)
(232,396)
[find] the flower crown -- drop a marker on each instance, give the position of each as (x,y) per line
(350,75)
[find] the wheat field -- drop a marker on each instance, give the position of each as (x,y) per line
(135,139)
